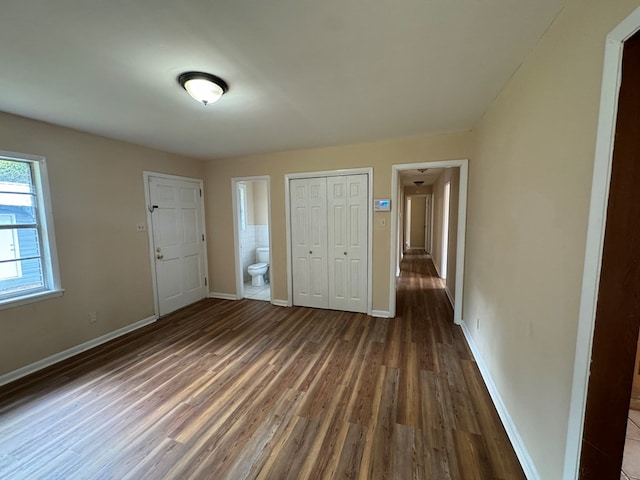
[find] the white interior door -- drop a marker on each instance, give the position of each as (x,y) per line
(308,198)
(178,242)
(417,218)
(347,238)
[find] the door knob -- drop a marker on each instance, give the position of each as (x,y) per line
(159,256)
(310,252)
(345,253)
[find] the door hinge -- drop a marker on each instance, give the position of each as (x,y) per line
(200,193)
(205,281)
(203,237)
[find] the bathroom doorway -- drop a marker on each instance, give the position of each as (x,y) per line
(251,225)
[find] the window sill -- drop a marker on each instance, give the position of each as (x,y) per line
(27,299)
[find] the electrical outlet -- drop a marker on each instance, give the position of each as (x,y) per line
(93,317)
(141,227)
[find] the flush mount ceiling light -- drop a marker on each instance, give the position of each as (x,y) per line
(418,183)
(203,87)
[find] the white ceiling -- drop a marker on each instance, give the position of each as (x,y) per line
(301,73)
(427,176)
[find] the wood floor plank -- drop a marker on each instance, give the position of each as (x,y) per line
(381,464)
(403,463)
(472,456)
(409,389)
(237,390)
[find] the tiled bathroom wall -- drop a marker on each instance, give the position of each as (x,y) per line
(261,235)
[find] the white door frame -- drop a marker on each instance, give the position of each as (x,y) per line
(152,254)
(446,214)
(432,214)
(427,222)
(332,173)
(611,78)
(462,223)
(235,181)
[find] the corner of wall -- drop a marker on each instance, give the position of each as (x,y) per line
(224,296)
(58,357)
(518,444)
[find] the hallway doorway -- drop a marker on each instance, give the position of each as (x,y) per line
(450,245)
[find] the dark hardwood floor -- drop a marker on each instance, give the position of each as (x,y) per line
(235,390)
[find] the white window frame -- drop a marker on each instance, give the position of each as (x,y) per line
(16,251)
(46,233)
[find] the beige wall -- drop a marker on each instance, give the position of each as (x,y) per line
(250,209)
(451,175)
(401,233)
(98,198)
(260,203)
(529,189)
(379,155)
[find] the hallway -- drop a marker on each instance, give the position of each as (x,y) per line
(244,389)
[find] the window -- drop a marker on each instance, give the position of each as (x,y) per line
(28,261)
(242,192)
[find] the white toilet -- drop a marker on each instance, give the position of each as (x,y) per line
(257,270)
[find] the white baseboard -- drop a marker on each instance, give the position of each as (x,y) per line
(280,303)
(446,289)
(58,357)
(223,296)
(436,267)
(526,461)
(380,314)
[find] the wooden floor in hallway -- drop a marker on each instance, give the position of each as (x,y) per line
(247,390)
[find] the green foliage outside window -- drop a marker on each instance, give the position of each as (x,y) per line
(15,172)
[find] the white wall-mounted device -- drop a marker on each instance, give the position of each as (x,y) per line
(381,205)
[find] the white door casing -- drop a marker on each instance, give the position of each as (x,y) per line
(428,229)
(347,239)
(178,242)
(445,231)
(308,197)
